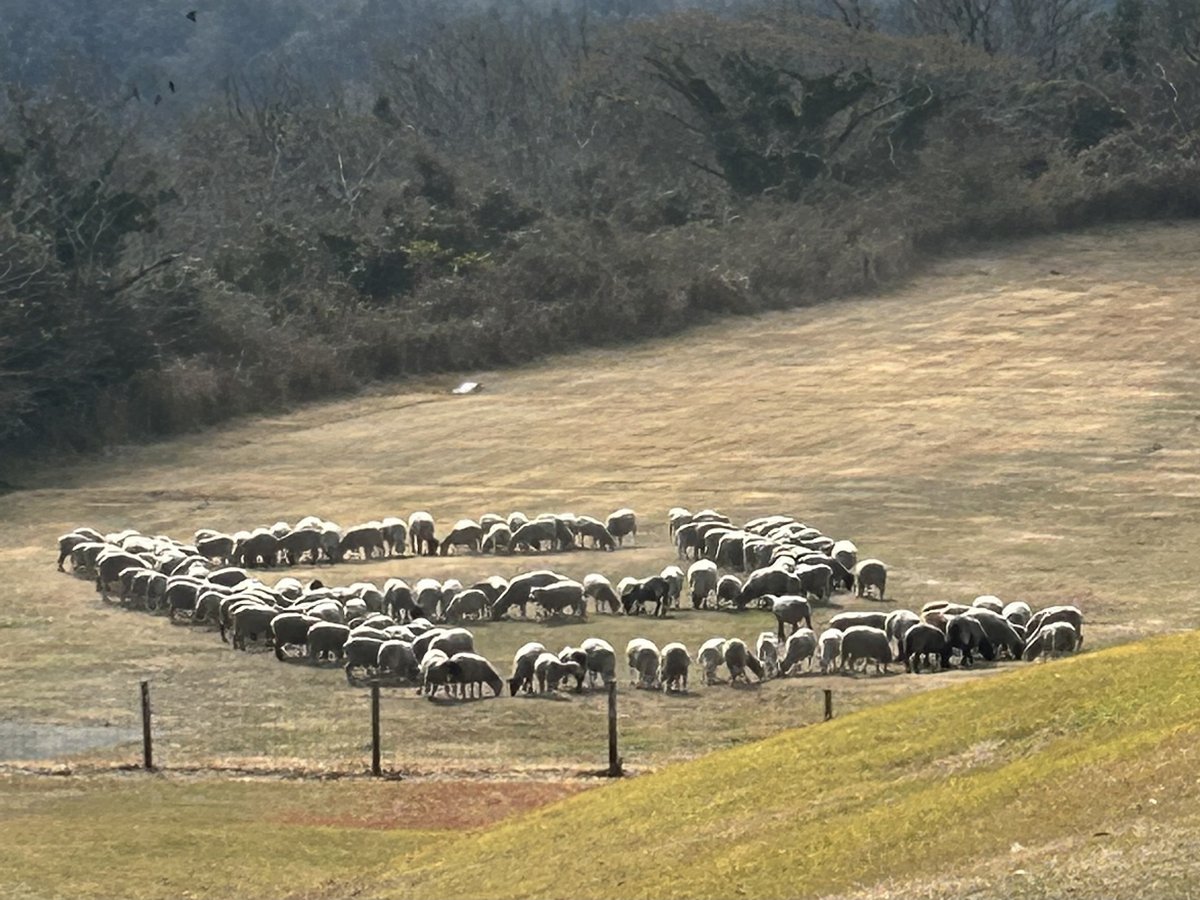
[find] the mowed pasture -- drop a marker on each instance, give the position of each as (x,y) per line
(1019,421)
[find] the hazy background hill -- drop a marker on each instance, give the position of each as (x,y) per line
(286,199)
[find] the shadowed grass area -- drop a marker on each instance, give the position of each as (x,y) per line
(914,787)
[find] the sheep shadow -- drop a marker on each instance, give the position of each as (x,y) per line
(551,696)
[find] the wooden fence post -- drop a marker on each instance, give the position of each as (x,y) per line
(147,740)
(375,766)
(614,761)
(828,704)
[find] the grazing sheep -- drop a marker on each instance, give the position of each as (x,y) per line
(109,566)
(729,588)
(497,539)
(450,641)
(600,589)
(523,667)
(710,657)
(422,641)
(773,581)
(622,524)
(863,642)
(492,586)
(791,610)
(637,594)
(517,592)
(601,660)
(516,520)
(251,621)
(601,537)
(465,533)
(920,642)
(702,582)
(643,657)
(766,648)
(799,648)
(396,659)
(687,541)
(551,671)
(998,631)
(362,652)
(845,553)
(259,548)
(965,633)
(830,646)
(488,520)
(898,622)
(1018,612)
(366,540)
(474,672)
(438,670)
(674,578)
(559,597)
(395,535)
(845,620)
(290,628)
(325,640)
(576,655)
(988,601)
(467,604)
(422,534)
(1053,639)
(673,668)
(532,535)
(870,576)
(677,516)
(738,658)
(816,581)
(428,597)
(1051,614)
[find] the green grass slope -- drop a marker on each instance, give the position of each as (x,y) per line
(910,789)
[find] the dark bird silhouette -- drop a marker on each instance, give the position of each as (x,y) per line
(157,99)
(192,15)
(171,85)
(137,95)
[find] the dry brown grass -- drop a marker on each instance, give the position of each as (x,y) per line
(1020,421)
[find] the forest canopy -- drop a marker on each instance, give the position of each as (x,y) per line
(264,203)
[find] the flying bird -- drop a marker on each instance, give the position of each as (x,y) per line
(192,15)
(157,99)
(171,85)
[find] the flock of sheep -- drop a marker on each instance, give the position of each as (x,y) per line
(405,634)
(314,540)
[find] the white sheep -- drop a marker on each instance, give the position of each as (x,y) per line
(766,648)
(829,645)
(673,668)
(709,657)
(799,649)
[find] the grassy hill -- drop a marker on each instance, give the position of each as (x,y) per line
(1086,753)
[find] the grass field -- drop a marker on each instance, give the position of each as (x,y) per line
(1020,421)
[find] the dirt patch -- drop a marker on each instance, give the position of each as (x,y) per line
(442,805)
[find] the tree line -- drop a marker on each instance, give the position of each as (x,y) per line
(389,189)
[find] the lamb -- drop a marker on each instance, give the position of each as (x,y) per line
(766,648)
(551,671)
(701,582)
(601,660)
(474,671)
(870,575)
(673,668)
(523,666)
(622,524)
(922,641)
(830,646)
(1053,639)
(601,591)
(800,647)
(738,658)
(643,658)
(868,644)
(791,611)
(709,657)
